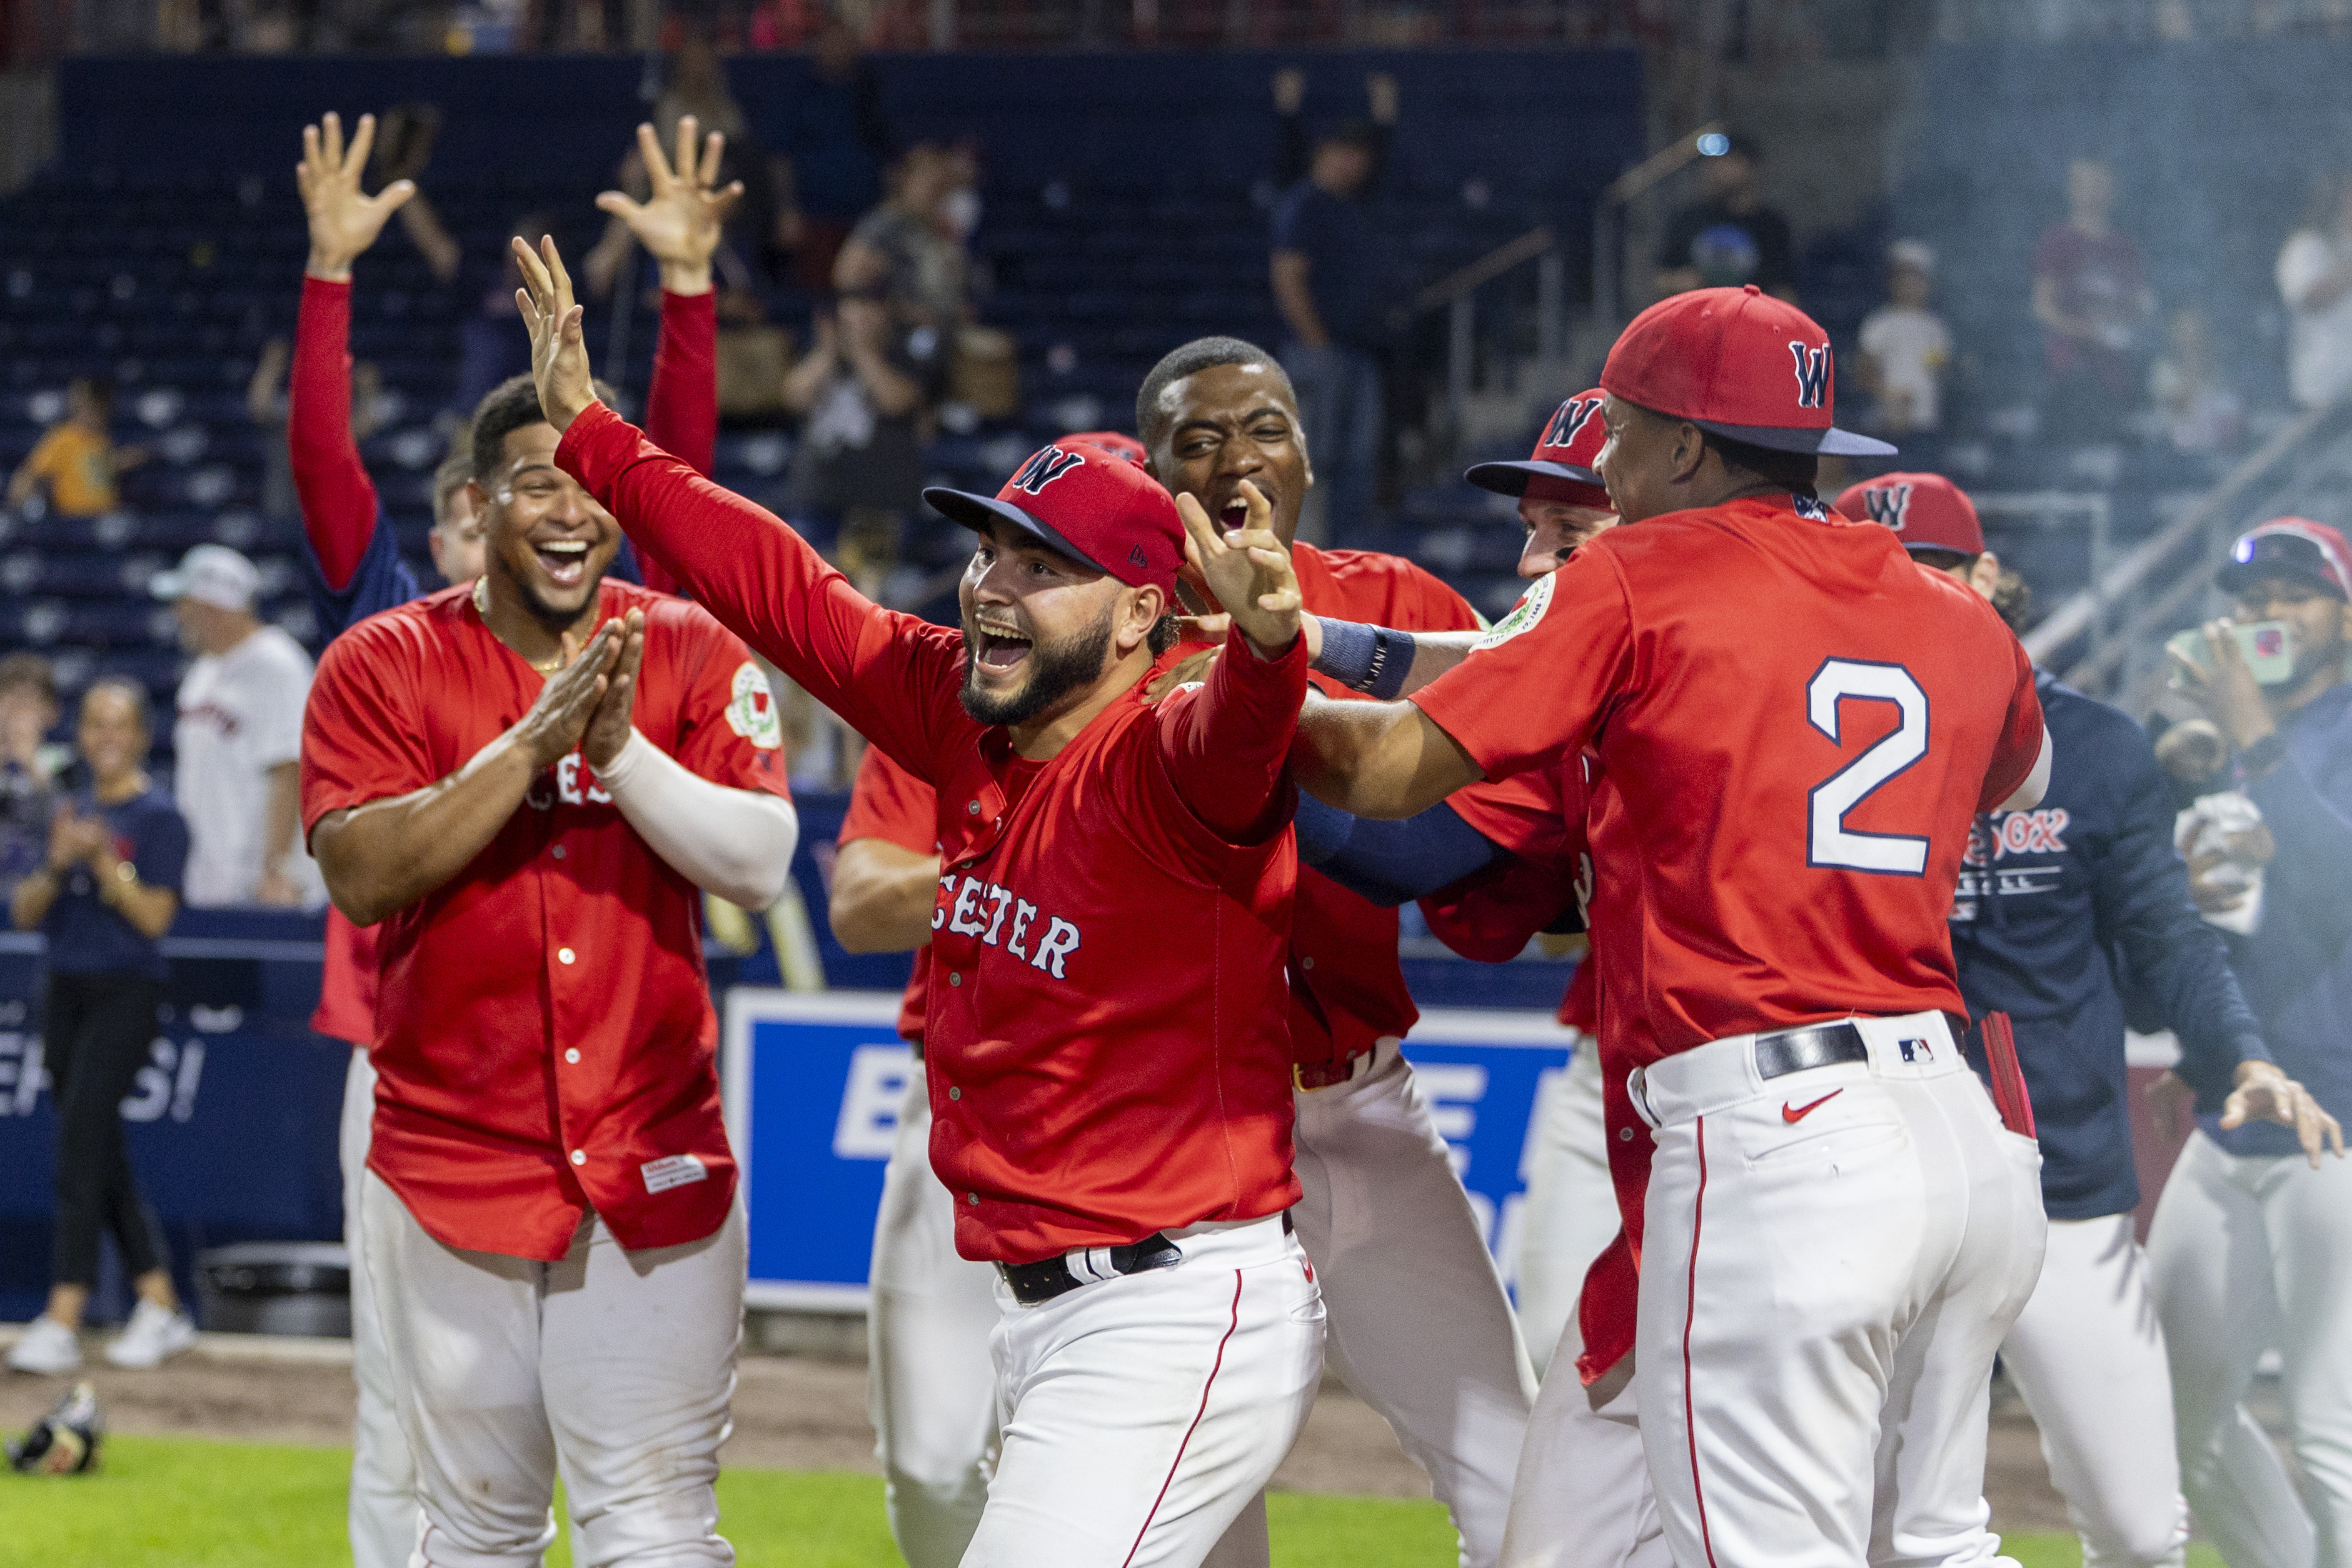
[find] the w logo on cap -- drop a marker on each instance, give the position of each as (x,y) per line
(1812,373)
(1049,464)
(1570,417)
(1889,504)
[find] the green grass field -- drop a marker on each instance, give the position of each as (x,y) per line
(179,1502)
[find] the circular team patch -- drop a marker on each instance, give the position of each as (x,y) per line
(1524,615)
(752,709)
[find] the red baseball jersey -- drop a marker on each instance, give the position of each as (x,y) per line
(1800,723)
(889,802)
(1347,986)
(1104,1037)
(544,1037)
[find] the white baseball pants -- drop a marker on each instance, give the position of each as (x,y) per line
(382,1510)
(615,1366)
(1832,1258)
(1420,1328)
(2248,1253)
(2087,1356)
(1141,1413)
(929,1384)
(1583,1498)
(1570,1216)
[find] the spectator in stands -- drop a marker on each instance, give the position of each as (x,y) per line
(238,738)
(108,889)
(28,765)
(1326,272)
(1906,345)
(78,459)
(2203,413)
(403,149)
(492,347)
(265,404)
(2091,297)
(864,391)
(2250,1242)
(836,140)
(1728,237)
(907,253)
(2315,279)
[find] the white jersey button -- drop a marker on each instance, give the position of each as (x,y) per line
(579,1156)
(955,978)
(572,1054)
(971,1197)
(955,1094)
(1306,962)
(562,955)
(972,808)
(1624,1135)
(558,852)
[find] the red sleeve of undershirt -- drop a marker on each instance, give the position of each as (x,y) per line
(893,678)
(337,499)
(1226,749)
(682,405)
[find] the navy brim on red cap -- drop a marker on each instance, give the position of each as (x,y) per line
(1829,443)
(977,511)
(1511,478)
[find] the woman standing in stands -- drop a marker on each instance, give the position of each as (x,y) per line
(108,891)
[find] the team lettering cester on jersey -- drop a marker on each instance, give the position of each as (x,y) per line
(1795,831)
(1348,988)
(1104,1040)
(544,1036)
(890,804)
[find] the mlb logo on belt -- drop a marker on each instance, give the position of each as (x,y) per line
(1915,1050)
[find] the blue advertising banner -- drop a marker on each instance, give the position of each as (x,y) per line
(814,1084)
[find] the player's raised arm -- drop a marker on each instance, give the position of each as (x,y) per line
(679,223)
(892,677)
(337,499)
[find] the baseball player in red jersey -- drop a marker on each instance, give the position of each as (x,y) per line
(1395,1243)
(1112,1113)
(1798,726)
(356,559)
(556,1253)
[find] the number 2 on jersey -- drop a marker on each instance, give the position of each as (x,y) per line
(1829,842)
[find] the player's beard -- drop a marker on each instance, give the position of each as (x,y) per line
(553,617)
(1056,670)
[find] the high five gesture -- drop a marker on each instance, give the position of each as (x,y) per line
(558,352)
(344,221)
(682,217)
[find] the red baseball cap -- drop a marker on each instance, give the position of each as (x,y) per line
(1097,508)
(2290,547)
(1927,509)
(1561,466)
(1112,441)
(1739,363)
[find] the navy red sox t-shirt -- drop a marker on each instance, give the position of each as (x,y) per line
(88,937)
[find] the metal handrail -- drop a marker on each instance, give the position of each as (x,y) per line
(2221,505)
(1464,281)
(1608,231)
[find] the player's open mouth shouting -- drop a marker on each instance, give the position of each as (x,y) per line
(999,645)
(564,560)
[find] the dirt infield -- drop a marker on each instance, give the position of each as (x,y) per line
(802,1413)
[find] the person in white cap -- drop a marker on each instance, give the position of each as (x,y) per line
(238,736)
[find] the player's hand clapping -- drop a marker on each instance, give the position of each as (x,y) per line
(559,351)
(682,217)
(570,699)
(608,729)
(344,220)
(1248,569)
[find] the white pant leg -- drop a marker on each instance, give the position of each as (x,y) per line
(930,1386)
(2309,1216)
(382,1510)
(2210,1262)
(1807,1281)
(1420,1327)
(1570,1216)
(618,1366)
(1141,1413)
(1583,1498)
(2087,1356)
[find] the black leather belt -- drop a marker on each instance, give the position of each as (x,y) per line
(1798,1050)
(1050,1276)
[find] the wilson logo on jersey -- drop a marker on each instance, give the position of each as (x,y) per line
(1569,418)
(1889,504)
(1045,467)
(752,709)
(1812,375)
(978,909)
(1523,617)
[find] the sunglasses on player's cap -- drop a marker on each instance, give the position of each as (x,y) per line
(1928,510)
(1560,468)
(1740,363)
(2289,547)
(1101,510)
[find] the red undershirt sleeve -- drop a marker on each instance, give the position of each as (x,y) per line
(338,499)
(682,405)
